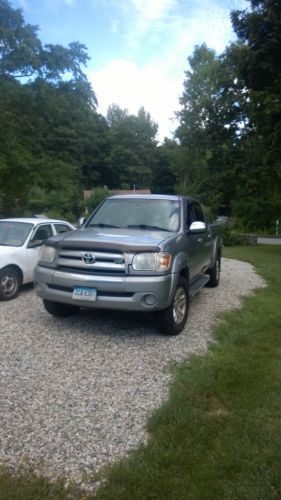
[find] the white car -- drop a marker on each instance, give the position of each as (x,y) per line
(20,242)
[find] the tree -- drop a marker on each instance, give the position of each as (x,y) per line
(167,162)
(22,54)
(259,32)
(133,148)
(208,130)
(97,196)
(50,133)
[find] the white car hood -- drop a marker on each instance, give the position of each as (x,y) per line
(10,255)
(5,250)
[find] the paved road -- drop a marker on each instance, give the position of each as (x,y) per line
(269,241)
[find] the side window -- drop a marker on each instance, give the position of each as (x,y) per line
(43,232)
(197,212)
(62,228)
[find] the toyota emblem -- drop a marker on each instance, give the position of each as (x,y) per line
(89,258)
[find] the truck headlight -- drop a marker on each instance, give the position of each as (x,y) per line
(47,254)
(151,261)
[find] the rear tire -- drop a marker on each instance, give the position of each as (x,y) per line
(171,321)
(60,310)
(214,273)
(10,282)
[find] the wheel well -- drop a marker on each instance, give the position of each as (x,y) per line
(16,268)
(185,274)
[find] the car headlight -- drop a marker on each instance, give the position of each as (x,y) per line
(47,254)
(151,261)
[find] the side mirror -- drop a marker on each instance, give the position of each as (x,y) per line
(81,221)
(197,227)
(35,243)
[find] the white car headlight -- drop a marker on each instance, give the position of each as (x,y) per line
(47,254)
(151,261)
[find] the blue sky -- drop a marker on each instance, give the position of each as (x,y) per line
(138,48)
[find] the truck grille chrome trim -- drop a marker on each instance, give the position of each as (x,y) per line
(91,261)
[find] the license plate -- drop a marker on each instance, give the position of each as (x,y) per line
(84,293)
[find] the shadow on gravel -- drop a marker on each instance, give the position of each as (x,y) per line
(26,289)
(106,323)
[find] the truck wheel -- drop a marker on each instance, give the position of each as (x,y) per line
(60,310)
(214,273)
(171,321)
(10,282)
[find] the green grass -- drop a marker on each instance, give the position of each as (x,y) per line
(219,434)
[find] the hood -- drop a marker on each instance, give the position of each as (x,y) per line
(122,239)
(9,254)
(5,250)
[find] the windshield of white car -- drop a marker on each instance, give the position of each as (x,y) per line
(14,234)
(147,214)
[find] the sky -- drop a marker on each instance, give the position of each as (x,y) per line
(138,49)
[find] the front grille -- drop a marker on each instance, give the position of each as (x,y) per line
(91,261)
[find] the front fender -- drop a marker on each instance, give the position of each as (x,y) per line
(180,262)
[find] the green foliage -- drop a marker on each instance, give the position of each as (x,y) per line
(132,157)
(229,237)
(259,30)
(230,119)
(226,150)
(209,214)
(22,54)
(98,195)
(208,124)
(49,129)
(24,484)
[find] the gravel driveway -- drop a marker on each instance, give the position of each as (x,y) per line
(76,392)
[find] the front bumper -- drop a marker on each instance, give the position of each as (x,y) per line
(127,293)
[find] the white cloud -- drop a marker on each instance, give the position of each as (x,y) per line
(114,25)
(124,83)
(166,31)
(153,9)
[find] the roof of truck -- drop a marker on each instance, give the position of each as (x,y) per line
(148,196)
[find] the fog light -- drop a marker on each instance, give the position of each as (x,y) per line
(149,299)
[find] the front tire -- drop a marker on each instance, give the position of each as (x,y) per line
(10,282)
(171,321)
(60,310)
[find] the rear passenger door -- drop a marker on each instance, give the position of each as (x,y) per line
(203,238)
(193,247)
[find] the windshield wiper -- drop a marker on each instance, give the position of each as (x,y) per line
(103,225)
(147,226)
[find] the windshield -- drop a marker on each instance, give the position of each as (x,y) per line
(143,213)
(14,234)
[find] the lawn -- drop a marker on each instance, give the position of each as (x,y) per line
(219,434)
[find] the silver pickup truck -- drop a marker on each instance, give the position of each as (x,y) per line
(134,253)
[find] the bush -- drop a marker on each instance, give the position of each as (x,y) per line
(229,237)
(98,195)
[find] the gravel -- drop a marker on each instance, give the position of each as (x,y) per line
(76,392)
